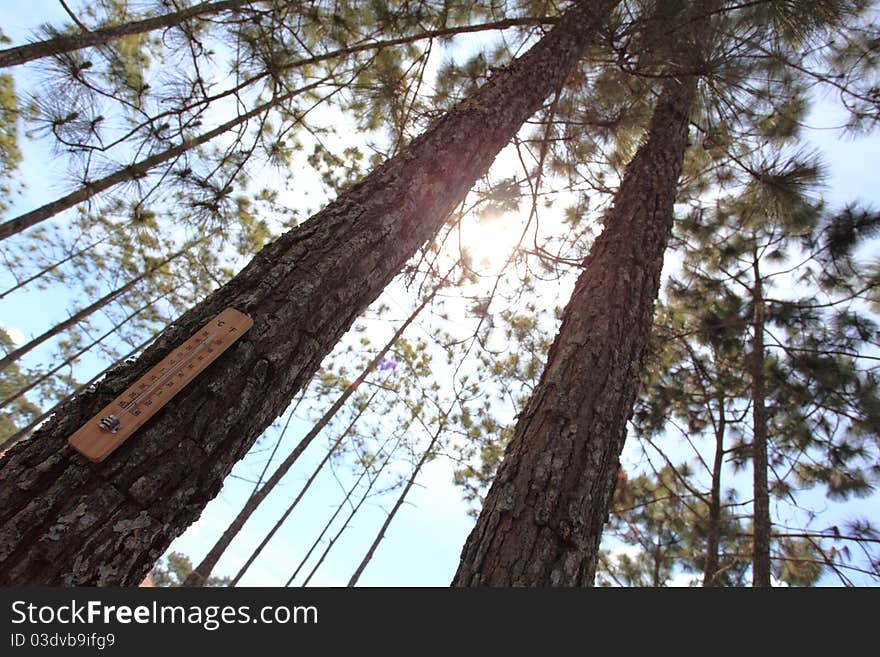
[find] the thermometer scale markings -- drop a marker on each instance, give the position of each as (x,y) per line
(129,411)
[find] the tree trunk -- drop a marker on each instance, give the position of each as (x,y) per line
(713,524)
(24,431)
(354,511)
(52,267)
(656,580)
(70,42)
(761,521)
(136,170)
(76,355)
(302,491)
(143,167)
(66,521)
(332,518)
(543,516)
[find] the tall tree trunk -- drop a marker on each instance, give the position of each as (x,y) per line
(543,516)
(761,520)
(66,521)
(713,523)
(70,42)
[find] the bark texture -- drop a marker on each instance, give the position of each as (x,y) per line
(543,516)
(65,521)
(761,520)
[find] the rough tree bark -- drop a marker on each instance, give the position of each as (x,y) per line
(542,519)
(65,521)
(761,519)
(70,42)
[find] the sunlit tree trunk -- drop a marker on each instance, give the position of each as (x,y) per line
(542,519)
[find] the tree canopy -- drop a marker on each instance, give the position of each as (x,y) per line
(149,151)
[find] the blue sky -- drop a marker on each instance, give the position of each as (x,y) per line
(423,544)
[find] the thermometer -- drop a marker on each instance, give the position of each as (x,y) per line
(124,415)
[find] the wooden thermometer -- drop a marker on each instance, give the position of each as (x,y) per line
(124,415)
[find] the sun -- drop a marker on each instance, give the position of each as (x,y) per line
(489,239)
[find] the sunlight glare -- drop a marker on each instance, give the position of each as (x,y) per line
(488,240)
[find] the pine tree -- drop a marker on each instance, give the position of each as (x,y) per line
(176,569)
(551,492)
(555,483)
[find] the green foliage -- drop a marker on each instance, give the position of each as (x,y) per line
(175,570)
(10,154)
(758,64)
(821,392)
(20,412)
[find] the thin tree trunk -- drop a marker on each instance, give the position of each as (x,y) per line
(542,519)
(400,500)
(658,558)
(80,315)
(354,512)
(761,521)
(329,523)
(68,361)
(302,492)
(52,267)
(66,521)
(200,573)
(136,170)
(713,523)
(70,42)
